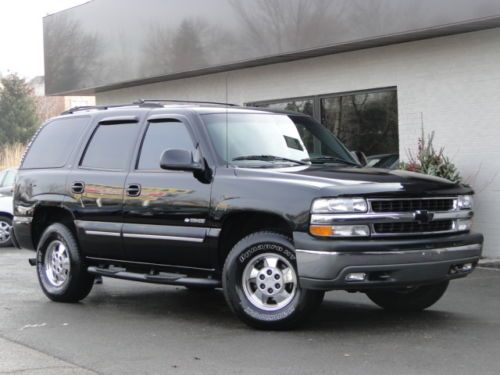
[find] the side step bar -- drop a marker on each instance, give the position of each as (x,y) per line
(159,278)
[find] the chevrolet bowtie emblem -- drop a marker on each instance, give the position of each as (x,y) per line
(423,216)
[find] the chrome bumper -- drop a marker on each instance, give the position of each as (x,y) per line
(329,269)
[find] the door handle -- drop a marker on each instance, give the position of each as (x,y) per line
(133,190)
(78,187)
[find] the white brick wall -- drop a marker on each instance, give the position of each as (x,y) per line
(454,82)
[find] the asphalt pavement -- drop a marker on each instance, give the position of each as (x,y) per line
(132,328)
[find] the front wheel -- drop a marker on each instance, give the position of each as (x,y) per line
(409,299)
(261,283)
(61,271)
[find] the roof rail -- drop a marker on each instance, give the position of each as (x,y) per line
(146,101)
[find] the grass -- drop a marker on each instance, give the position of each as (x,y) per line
(10,155)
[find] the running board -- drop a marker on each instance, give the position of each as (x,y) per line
(159,278)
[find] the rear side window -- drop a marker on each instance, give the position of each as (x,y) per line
(52,146)
(110,146)
(162,136)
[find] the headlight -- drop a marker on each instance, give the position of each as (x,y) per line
(465,202)
(339,205)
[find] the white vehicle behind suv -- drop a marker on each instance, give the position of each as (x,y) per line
(7,178)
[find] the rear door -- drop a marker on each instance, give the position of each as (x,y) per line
(96,185)
(166,212)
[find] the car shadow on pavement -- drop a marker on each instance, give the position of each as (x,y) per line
(208,308)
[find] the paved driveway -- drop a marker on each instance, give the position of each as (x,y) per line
(131,328)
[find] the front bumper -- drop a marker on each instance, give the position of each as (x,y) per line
(324,264)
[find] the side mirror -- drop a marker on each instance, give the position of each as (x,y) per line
(360,157)
(181,160)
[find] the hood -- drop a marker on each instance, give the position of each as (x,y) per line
(336,180)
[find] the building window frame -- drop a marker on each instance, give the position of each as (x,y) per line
(317,99)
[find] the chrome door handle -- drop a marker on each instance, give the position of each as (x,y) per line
(133,190)
(78,187)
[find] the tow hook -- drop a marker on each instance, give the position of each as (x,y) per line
(32,261)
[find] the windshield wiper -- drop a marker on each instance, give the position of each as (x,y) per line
(324,159)
(270,158)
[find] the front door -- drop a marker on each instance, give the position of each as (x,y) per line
(166,212)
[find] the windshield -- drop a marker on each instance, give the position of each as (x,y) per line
(271,140)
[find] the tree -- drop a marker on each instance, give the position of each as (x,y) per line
(18,116)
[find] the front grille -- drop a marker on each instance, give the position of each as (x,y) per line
(413,227)
(408,205)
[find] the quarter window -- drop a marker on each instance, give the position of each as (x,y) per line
(53,144)
(111,146)
(162,136)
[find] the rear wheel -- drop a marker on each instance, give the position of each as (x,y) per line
(261,283)
(61,271)
(409,299)
(5,227)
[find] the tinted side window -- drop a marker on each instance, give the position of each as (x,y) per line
(162,136)
(110,146)
(53,145)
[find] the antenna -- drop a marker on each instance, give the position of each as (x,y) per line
(227,122)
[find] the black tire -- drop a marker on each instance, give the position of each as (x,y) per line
(245,253)
(5,224)
(78,282)
(414,299)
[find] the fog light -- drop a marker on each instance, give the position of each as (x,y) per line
(467,267)
(464,225)
(356,276)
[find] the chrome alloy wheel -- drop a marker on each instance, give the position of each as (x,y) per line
(269,281)
(4,232)
(57,263)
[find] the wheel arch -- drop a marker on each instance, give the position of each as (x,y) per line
(237,225)
(45,215)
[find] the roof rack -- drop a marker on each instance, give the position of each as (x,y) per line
(143,103)
(179,101)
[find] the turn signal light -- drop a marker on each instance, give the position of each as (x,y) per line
(321,230)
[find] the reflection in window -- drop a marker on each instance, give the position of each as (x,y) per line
(303,106)
(365,122)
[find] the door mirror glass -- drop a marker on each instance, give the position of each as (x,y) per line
(181,160)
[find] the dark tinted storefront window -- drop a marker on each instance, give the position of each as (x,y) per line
(305,106)
(364,121)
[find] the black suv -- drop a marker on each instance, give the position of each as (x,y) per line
(267,205)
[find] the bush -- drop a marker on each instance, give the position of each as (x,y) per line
(430,162)
(10,155)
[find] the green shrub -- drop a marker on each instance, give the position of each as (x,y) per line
(430,162)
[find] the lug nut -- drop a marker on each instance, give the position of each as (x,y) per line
(270,290)
(262,286)
(277,277)
(277,286)
(262,277)
(269,272)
